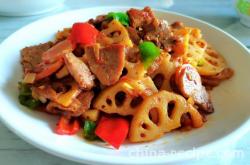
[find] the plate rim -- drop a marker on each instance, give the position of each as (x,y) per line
(104,159)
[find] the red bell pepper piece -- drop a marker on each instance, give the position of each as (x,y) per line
(67,127)
(83,33)
(112,130)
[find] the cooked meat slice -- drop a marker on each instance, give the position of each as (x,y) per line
(134,36)
(189,84)
(57,51)
(204,101)
(145,25)
(133,54)
(76,108)
(99,22)
(188,80)
(99,19)
(85,98)
(161,36)
(106,63)
(48,69)
(50,60)
(31,57)
(54,107)
(44,92)
(143,19)
(79,70)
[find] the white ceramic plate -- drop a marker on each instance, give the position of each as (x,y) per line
(231,100)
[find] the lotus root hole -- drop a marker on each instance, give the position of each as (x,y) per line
(143,135)
(124,72)
(145,126)
(171,106)
(109,102)
(136,101)
(201,44)
(120,98)
(186,120)
(158,80)
(154,115)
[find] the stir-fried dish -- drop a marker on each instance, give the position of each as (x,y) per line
(123,75)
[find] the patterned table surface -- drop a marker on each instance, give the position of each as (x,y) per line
(14,151)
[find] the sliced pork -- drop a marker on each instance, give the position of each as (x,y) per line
(44,92)
(133,35)
(143,19)
(31,57)
(161,36)
(189,84)
(106,63)
(144,25)
(79,70)
(57,51)
(76,108)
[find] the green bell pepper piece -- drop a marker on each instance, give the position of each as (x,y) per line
(149,52)
(25,97)
(119,16)
(89,130)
